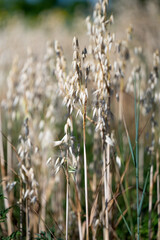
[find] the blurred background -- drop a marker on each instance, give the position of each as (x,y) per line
(31,23)
(34,7)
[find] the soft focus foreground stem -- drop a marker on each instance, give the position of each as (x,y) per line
(158,195)
(78,210)
(43,207)
(137,156)
(85,169)
(28,231)
(108,193)
(80,226)
(3,175)
(21,211)
(150,200)
(137,190)
(105,230)
(67,202)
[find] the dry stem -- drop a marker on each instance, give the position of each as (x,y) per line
(3,175)
(85,170)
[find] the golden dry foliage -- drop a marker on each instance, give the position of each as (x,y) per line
(85,159)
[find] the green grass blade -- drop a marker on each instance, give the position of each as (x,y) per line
(128,228)
(135,100)
(129,142)
(144,189)
(131,149)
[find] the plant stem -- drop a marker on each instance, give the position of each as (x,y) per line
(78,198)
(3,175)
(150,200)
(43,205)
(106,230)
(9,157)
(137,189)
(127,200)
(85,170)
(67,204)
(108,186)
(28,233)
(80,226)
(21,211)
(137,158)
(158,196)
(141,162)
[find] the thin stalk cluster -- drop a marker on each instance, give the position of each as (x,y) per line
(75,166)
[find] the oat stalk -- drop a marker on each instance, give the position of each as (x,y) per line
(85,168)
(3,175)
(158,195)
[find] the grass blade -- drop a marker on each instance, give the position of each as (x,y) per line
(144,189)
(129,230)
(129,142)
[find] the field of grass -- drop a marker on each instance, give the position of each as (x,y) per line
(79,124)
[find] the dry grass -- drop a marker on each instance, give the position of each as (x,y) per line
(85,131)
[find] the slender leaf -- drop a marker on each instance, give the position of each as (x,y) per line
(144,189)
(129,141)
(123,217)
